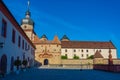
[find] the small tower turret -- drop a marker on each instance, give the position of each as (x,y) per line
(65,38)
(110,60)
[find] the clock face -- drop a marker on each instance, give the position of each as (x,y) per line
(25,27)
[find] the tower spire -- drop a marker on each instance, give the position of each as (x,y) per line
(28,10)
(28,5)
(27,19)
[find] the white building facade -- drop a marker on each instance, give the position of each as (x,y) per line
(84,49)
(14,44)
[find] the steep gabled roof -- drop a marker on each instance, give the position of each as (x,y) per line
(65,38)
(43,40)
(44,36)
(97,54)
(56,40)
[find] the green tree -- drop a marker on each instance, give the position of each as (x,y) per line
(76,57)
(24,62)
(90,57)
(17,63)
(64,57)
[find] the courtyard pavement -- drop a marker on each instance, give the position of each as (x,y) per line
(62,74)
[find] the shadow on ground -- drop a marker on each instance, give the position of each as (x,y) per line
(63,74)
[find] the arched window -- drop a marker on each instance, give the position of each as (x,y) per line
(74,50)
(86,50)
(82,50)
(3,64)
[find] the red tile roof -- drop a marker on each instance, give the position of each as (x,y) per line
(87,44)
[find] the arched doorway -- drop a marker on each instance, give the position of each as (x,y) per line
(46,62)
(3,62)
(12,64)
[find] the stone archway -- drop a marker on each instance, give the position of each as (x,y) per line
(3,64)
(12,64)
(46,61)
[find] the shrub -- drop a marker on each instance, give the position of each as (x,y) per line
(64,57)
(17,63)
(76,57)
(24,62)
(90,57)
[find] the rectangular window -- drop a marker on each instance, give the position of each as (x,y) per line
(81,50)
(65,50)
(19,41)
(82,55)
(4,28)
(28,46)
(86,50)
(74,54)
(22,44)
(87,55)
(66,55)
(13,36)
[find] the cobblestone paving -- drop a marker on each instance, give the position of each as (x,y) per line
(62,74)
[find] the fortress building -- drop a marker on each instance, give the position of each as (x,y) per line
(50,52)
(84,49)
(22,43)
(47,52)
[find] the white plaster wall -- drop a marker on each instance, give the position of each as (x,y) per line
(70,52)
(10,49)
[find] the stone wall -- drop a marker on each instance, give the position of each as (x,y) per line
(105,61)
(54,59)
(116,61)
(82,64)
(111,68)
(115,67)
(78,61)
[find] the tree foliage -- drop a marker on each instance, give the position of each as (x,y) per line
(24,62)
(90,57)
(64,57)
(76,57)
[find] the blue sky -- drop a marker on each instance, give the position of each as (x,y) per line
(84,20)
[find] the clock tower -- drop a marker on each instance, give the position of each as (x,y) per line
(27,24)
